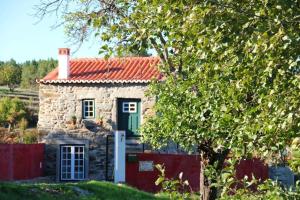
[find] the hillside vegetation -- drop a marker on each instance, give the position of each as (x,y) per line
(29,97)
(24,75)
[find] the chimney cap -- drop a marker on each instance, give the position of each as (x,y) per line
(63,51)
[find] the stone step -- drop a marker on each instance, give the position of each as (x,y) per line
(134,150)
(134,147)
(133,141)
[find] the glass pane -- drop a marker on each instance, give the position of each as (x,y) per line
(80,162)
(80,169)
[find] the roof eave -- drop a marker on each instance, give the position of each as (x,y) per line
(59,81)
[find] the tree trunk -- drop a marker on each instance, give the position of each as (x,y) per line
(207,192)
(216,159)
(9,127)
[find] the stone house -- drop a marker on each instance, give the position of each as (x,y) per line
(82,102)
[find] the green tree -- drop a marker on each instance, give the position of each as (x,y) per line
(10,75)
(45,66)
(33,70)
(11,111)
(231,81)
(29,74)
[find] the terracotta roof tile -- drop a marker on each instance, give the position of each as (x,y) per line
(95,70)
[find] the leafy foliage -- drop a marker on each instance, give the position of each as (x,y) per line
(294,162)
(24,74)
(33,70)
(30,137)
(175,188)
(268,190)
(10,74)
(11,111)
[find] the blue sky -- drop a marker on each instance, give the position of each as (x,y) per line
(22,39)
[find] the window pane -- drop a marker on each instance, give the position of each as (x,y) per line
(81,156)
(88,108)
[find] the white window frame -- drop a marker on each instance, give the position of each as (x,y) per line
(129,107)
(73,159)
(92,106)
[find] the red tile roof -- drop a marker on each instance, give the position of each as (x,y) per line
(117,70)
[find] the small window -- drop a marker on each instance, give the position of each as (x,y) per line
(72,162)
(88,108)
(129,107)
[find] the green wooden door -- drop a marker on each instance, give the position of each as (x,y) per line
(129,116)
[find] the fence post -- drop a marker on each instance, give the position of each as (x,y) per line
(120,148)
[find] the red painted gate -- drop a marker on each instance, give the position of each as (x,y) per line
(21,161)
(139,173)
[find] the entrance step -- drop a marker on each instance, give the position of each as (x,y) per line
(134,145)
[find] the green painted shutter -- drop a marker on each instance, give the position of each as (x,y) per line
(129,116)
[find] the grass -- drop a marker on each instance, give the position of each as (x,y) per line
(90,190)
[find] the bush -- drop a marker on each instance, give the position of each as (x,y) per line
(11,111)
(268,190)
(23,124)
(30,137)
(175,188)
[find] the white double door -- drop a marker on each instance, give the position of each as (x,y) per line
(72,162)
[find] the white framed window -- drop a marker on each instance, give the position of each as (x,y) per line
(72,162)
(88,108)
(129,107)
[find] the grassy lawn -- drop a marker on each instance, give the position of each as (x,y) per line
(95,190)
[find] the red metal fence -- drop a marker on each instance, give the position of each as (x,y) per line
(144,179)
(21,161)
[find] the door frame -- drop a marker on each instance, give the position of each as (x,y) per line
(117,113)
(72,161)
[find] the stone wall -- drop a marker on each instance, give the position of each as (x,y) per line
(99,150)
(59,102)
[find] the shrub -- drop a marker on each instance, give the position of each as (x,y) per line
(175,188)
(268,190)
(30,136)
(11,111)
(23,124)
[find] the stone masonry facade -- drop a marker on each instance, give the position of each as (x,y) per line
(60,102)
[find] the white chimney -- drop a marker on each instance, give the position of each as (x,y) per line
(63,63)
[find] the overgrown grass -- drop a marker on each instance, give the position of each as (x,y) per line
(91,190)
